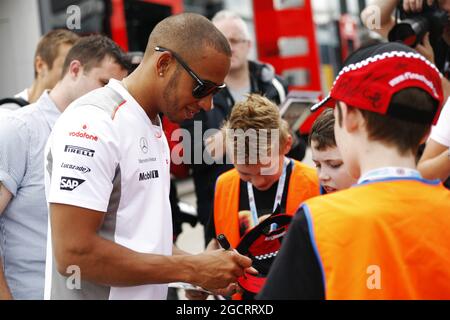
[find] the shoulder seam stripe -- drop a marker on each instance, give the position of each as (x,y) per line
(117,108)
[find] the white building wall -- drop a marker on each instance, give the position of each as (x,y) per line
(19,35)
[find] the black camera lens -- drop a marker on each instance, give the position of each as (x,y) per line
(410,31)
(413,26)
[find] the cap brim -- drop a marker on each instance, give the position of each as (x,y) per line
(327,102)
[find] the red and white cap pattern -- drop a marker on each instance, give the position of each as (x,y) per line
(370,83)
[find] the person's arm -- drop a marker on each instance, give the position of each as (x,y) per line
(178,252)
(211,246)
(5,197)
(296,272)
(76,242)
(228,291)
(13,147)
(445,87)
(435,161)
(378,16)
(5,293)
(14,150)
(427,51)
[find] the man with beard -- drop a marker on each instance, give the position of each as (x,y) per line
(119,244)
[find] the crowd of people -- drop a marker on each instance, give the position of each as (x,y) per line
(85,172)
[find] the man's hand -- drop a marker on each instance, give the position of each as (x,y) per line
(415,5)
(229,290)
(378,16)
(225,292)
(425,48)
(219,268)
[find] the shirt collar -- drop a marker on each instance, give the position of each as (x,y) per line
(389,172)
(118,86)
(48,108)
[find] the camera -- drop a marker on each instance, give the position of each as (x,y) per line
(412,27)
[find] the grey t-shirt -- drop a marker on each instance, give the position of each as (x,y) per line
(23,224)
(240,94)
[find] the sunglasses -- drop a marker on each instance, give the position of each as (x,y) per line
(204,88)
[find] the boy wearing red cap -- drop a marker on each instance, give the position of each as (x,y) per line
(386,237)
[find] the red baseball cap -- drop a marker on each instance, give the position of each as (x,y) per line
(372,75)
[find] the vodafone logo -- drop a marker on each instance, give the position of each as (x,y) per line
(82,134)
(85,135)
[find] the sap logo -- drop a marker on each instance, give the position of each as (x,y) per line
(69,183)
(79,150)
(154,174)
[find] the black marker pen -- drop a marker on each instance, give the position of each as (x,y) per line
(223,241)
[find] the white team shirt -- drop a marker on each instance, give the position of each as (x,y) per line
(105,154)
(441,131)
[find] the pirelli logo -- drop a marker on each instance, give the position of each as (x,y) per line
(154,174)
(79,150)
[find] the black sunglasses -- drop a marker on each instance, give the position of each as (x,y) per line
(204,87)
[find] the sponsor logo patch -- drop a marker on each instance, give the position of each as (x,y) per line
(84,135)
(143,143)
(69,183)
(154,174)
(82,169)
(151,159)
(79,150)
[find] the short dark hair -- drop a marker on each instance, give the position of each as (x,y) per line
(187,34)
(91,51)
(402,134)
(322,131)
(48,46)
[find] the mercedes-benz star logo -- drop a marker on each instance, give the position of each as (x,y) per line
(144,145)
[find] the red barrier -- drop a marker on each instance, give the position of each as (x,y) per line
(285,38)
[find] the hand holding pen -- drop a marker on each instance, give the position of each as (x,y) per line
(225,244)
(223,241)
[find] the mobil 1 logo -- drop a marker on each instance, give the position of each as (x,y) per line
(69,183)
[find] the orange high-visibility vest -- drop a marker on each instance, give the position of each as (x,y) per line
(384,240)
(303,184)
